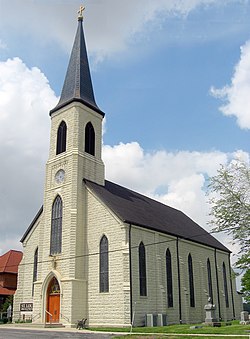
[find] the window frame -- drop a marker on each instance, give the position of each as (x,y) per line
(56,226)
(142,270)
(191,281)
(89,139)
(35,267)
(169,277)
(61,142)
(224,272)
(209,280)
(104,265)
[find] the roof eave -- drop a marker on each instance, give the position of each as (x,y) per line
(89,105)
(31,225)
(174,235)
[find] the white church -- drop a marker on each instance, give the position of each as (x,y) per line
(102,252)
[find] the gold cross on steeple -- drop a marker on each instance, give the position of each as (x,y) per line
(82,8)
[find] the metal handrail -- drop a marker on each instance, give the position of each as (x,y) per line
(49,315)
(64,317)
(36,316)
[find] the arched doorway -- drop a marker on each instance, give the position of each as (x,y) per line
(53,301)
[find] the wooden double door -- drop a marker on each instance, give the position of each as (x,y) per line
(53,302)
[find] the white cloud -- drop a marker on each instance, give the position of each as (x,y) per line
(110,25)
(25,101)
(236,95)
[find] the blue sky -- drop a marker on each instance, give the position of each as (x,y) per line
(173,78)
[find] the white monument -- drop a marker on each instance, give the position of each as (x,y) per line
(210,312)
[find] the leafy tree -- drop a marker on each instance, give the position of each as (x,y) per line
(230,206)
(245,283)
(7,303)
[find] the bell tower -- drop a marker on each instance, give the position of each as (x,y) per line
(79,114)
(74,155)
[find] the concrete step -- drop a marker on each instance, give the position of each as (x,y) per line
(37,325)
(53,325)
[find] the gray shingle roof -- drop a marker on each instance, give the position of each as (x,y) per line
(137,209)
(77,84)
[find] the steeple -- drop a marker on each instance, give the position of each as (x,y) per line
(77,84)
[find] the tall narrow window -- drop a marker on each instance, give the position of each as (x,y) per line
(225,284)
(61,138)
(209,280)
(56,227)
(104,265)
(90,139)
(142,270)
(169,278)
(191,281)
(35,269)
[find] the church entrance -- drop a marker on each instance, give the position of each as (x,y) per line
(53,302)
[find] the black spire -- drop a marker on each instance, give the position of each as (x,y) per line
(77,84)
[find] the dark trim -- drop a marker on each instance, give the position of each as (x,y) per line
(130,274)
(217,282)
(179,279)
(32,224)
(94,108)
(231,285)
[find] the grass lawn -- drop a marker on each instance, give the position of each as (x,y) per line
(235,328)
(166,336)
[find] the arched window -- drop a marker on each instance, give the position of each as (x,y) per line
(104,264)
(169,278)
(209,280)
(225,284)
(61,138)
(90,139)
(56,227)
(35,269)
(191,281)
(142,270)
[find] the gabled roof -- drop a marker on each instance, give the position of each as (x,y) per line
(77,84)
(7,291)
(9,261)
(137,209)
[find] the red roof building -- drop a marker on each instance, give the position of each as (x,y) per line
(8,273)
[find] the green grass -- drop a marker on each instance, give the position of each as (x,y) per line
(161,336)
(235,329)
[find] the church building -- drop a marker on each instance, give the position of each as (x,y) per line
(100,251)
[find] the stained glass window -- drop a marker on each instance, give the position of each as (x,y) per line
(209,277)
(225,284)
(104,265)
(142,270)
(191,281)
(56,227)
(169,278)
(35,269)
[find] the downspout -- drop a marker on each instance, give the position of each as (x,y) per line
(231,285)
(130,275)
(217,282)
(179,279)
